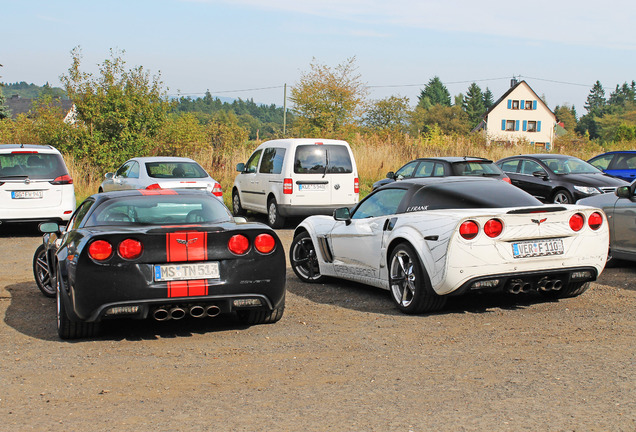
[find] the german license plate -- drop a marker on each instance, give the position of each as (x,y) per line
(312,187)
(36,194)
(537,248)
(172,272)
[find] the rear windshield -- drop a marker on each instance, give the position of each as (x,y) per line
(322,159)
(32,165)
(476,168)
(482,194)
(175,170)
(159,210)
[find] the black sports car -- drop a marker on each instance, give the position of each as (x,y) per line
(557,178)
(444,167)
(162,253)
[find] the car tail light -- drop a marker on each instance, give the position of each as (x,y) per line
(469,230)
(238,244)
(595,221)
(356,185)
(65,179)
(100,250)
(288,186)
(264,243)
(217,190)
(506,179)
(24,152)
(493,228)
(153,186)
(130,249)
(577,221)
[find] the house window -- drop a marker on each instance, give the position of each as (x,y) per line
(515,104)
(540,145)
(510,125)
(528,105)
(532,126)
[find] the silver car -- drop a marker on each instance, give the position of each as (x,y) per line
(160,172)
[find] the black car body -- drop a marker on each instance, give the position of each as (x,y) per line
(620,208)
(557,178)
(161,253)
(444,167)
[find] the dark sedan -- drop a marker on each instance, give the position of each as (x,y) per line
(164,253)
(620,208)
(620,164)
(444,167)
(557,178)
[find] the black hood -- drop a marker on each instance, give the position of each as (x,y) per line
(595,180)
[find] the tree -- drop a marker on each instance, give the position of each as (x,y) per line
(567,115)
(448,120)
(4,110)
(488,99)
(120,111)
(434,93)
(388,114)
(327,99)
(474,105)
(596,99)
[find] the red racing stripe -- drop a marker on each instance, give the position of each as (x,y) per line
(191,288)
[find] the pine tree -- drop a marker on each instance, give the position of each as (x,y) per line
(596,99)
(488,99)
(474,104)
(434,93)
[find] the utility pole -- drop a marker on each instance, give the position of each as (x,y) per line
(285,110)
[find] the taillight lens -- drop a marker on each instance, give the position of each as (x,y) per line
(100,250)
(153,186)
(130,249)
(356,185)
(469,230)
(288,186)
(595,221)
(217,190)
(493,228)
(65,179)
(238,244)
(577,221)
(506,179)
(264,243)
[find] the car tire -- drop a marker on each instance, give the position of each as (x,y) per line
(573,289)
(274,218)
(304,260)
(237,209)
(409,283)
(254,317)
(67,328)
(42,273)
(562,196)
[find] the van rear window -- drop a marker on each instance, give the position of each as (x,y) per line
(321,159)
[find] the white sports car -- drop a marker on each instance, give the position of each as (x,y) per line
(427,239)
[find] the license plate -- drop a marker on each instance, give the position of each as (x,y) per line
(312,187)
(172,272)
(537,248)
(27,194)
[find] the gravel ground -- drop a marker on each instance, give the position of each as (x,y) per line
(342,359)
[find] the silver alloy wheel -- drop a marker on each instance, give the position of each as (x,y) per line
(272,213)
(561,198)
(236,205)
(304,259)
(403,280)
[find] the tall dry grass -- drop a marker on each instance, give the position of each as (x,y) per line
(375,156)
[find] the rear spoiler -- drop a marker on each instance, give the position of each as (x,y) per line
(530,210)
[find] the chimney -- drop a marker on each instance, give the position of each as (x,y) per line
(513,82)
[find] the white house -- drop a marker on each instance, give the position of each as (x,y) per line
(520,115)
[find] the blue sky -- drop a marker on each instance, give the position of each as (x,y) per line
(559,47)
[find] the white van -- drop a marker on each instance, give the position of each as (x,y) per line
(296,177)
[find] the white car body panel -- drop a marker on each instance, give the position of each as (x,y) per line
(360,249)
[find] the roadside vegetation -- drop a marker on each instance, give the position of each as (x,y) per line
(122,112)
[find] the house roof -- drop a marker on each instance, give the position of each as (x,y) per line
(510,90)
(18,105)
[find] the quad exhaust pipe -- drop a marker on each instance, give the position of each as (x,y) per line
(165,313)
(517,286)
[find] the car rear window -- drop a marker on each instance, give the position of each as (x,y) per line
(476,168)
(321,159)
(481,194)
(175,170)
(159,210)
(32,165)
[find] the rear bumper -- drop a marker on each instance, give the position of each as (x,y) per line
(291,211)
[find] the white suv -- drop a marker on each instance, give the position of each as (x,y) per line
(296,177)
(34,184)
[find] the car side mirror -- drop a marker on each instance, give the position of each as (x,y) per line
(342,214)
(240,167)
(109,175)
(390,175)
(624,192)
(540,174)
(49,227)
(240,219)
